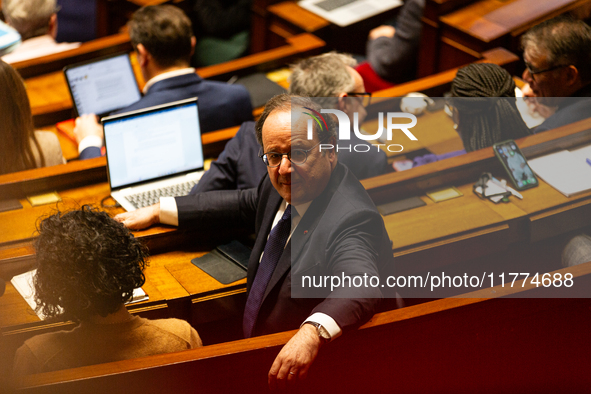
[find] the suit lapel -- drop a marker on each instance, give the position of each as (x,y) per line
(268,210)
(305,230)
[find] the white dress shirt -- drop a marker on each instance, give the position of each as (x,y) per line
(169,215)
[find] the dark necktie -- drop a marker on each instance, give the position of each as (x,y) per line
(273,251)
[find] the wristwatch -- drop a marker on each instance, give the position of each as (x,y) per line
(322,332)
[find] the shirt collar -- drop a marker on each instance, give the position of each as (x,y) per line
(166,75)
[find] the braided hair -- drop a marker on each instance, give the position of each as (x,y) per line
(485,120)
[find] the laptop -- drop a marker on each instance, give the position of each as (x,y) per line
(346,12)
(102,86)
(153,152)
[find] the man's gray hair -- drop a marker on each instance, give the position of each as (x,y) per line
(284,102)
(29,17)
(325,75)
(564,41)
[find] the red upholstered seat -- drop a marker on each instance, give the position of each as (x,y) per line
(373,82)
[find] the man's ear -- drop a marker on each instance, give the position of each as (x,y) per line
(143,55)
(193,43)
(332,154)
(52,27)
(572,75)
(342,102)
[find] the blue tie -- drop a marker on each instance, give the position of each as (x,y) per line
(273,251)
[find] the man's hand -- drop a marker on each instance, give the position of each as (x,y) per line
(140,218)
(294,360)
(534,106)
(87,125)
(382,31)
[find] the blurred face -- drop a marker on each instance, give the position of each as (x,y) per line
(353,103)
(302,183)
(545,84)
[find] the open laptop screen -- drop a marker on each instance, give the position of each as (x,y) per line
(153,143)
(102,86)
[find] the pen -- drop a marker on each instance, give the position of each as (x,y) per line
(508,188)
(588,161)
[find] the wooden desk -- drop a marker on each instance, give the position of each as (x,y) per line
(465,228)
(438,84)
(51,102)
(486,24)
(430,35)
(287,18)
(116,43)
(474,344)
(425,231)
(208,301)
(434,132)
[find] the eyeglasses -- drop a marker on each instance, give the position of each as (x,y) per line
(364,97)
(296,156)
(532,71)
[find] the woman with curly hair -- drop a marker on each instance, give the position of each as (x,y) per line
(87,267)
(21,147)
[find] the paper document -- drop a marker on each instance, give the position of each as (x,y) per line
(566,171)
(23,283)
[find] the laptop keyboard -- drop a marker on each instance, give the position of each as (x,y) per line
(151,197)
(329,5)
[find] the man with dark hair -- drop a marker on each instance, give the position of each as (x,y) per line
(163,39)
(87,267)
(331,79)
(312,218)
(392,51)
(557,60)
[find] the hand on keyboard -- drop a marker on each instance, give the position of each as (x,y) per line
(140,218)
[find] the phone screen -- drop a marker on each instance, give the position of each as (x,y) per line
(522,175)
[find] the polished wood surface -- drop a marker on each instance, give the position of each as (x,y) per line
(511,337)
(431,32)
(466,227)
(104,46)
(286,18)
(436,85)
(485,24)
(293,13)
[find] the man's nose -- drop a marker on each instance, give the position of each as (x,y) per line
(285,166)
(527,77)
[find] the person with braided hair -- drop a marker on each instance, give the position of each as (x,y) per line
(484,106)
(87,267)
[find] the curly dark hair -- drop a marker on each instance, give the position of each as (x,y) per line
(87,264)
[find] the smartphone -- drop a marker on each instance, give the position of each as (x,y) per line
(515,164)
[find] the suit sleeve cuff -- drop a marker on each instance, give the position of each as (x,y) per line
(327,322)
(169,213)
(91,140)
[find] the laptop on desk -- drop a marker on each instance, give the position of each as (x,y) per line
(153,152)
(346,12)
(102,86)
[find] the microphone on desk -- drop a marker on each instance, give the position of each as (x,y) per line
(2,287)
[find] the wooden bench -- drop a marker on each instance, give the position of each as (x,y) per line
(486,24)
(431,32)
(51,101)
(104,46)
(486,341)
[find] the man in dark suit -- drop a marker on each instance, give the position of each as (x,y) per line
(163,39)
(392,51)
(335,232)
(558,60)
(327,75)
